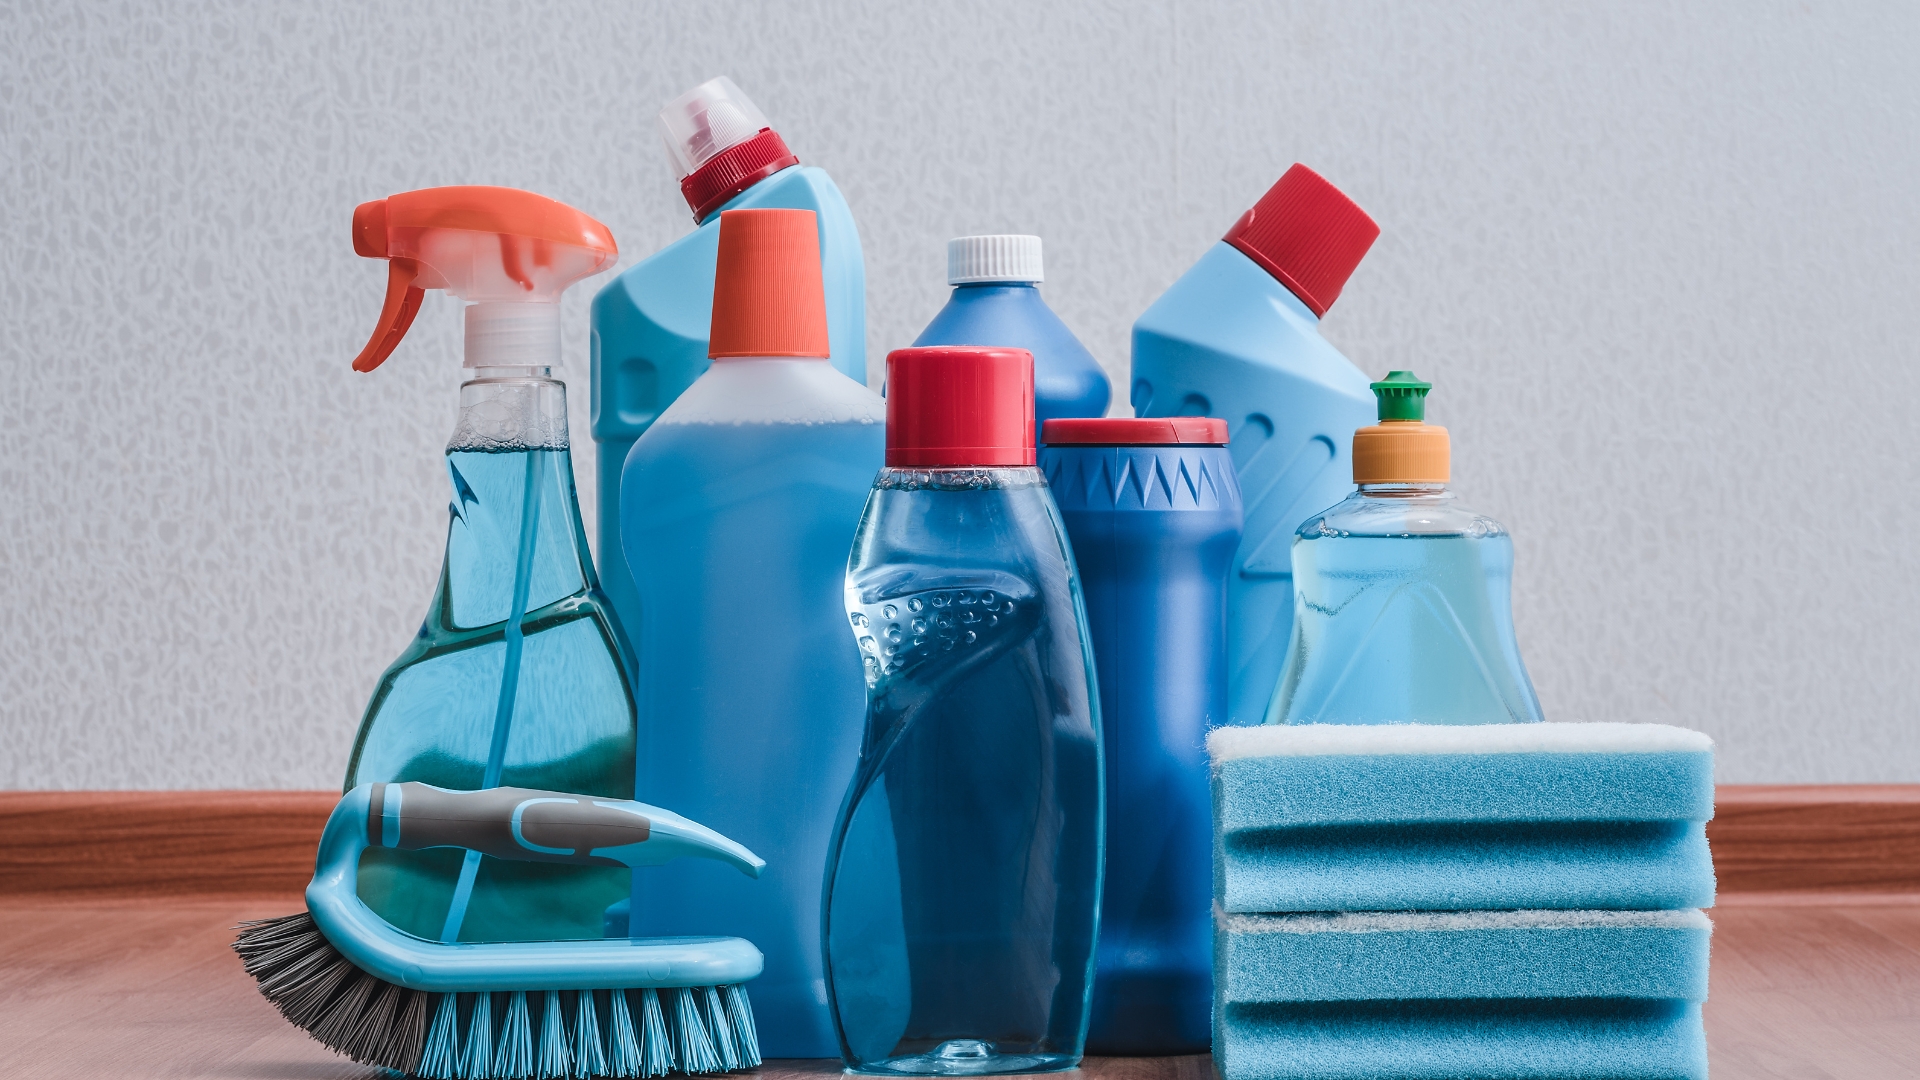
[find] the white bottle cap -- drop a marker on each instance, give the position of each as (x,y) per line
(513,335)
(706,120)
(975,259)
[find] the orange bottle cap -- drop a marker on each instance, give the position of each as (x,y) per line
(767,295)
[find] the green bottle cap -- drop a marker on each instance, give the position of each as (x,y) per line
(1402,396)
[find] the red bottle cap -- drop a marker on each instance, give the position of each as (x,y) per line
(734,170)
(954,406)
(767,296)
(1136,431)
(1307,234)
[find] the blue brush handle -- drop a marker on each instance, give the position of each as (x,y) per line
(517,823)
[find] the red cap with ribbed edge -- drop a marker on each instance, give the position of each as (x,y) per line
(767,297)
(954,406)
(734,170)
(1135,431)
(1306,233)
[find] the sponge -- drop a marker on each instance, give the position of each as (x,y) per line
(1404,817)
(1461,994)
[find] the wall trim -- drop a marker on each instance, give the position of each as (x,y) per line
(1771,843)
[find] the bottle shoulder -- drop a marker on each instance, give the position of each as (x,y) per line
(774,391)
(1227,309)
(1397,515)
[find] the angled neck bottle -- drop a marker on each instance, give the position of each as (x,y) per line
(518,675)
(1403,610)
(1238,337)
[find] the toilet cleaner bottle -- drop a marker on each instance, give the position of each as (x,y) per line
(737,507)
(1404,598)
(650,322)
(1238,337)
(516,676)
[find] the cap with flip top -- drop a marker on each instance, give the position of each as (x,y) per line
(720,144)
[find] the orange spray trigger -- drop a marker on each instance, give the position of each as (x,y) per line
(510,253)
(403,303)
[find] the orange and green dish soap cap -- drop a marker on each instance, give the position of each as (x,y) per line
(1402,448)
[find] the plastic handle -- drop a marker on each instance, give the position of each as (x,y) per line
(371,943)
(526,825)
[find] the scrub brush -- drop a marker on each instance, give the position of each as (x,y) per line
(613,1007)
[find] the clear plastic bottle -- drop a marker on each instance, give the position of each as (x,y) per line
(963,884)
(1403,598)
(519,674)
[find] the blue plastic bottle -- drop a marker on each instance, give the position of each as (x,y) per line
(963,886)
(1404,610)
(1238,336)
(996,301)
(738,506)
(1153,509)
(650,322)
(517,674)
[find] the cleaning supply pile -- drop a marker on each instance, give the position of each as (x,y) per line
(1201,729)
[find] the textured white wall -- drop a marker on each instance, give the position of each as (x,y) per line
(1659,259)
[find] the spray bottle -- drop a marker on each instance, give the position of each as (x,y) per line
(519,674)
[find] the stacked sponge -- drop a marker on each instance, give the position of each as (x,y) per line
(1514,900)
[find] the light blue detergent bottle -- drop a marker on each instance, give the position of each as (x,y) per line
(1238,336)
(1404,609)
(963,887)
(996,301)
(737,508)
(516,677)
(650,322)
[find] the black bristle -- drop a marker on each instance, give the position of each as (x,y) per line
(379,1023)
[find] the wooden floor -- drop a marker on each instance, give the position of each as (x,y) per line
(105,989)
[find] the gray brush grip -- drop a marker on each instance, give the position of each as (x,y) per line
(507,823)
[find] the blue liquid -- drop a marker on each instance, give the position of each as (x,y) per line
(963,886)
(483,698)
(750,708)
(1399,629)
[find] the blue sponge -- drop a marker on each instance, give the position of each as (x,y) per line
(1441,818)
(1461,994)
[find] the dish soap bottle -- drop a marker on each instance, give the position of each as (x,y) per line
(650,322)
(996,301)
(1404,608)
(963,885)
(516,677)
(738,506)
(1238,336)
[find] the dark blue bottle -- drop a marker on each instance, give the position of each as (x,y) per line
(1153,510)
(996,301)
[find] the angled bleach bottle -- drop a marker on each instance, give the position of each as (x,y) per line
(650,322)
(737,510)
(1238,336)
